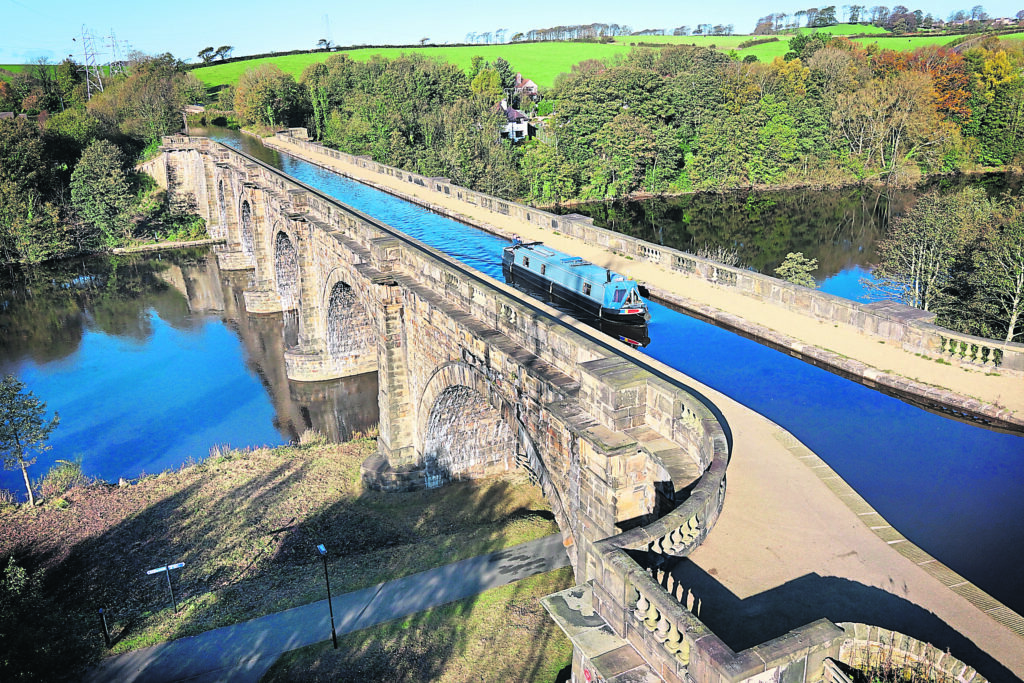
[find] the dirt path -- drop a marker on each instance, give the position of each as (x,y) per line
(1006,391)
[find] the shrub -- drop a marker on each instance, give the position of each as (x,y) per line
(62,477)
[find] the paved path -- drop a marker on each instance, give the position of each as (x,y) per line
(243,652)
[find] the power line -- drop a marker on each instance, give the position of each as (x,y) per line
(90,64)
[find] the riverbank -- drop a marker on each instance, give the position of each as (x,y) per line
(876,361)
(245,524)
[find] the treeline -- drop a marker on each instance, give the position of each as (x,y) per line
(67,180)
(670,119)
(900,19)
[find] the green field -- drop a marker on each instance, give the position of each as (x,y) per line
(538,61)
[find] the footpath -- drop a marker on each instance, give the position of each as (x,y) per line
(242,653)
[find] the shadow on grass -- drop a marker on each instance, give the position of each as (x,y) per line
(744,623)
(246,529)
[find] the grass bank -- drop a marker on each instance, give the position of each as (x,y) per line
(503,634)
(245,523)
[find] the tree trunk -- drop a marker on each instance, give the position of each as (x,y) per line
(28,487)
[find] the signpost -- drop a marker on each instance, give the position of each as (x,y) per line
(168,568)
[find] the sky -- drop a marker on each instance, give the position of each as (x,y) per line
(30,29)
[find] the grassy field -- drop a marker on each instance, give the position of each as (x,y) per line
(245,524)
(538,61)
(503,634)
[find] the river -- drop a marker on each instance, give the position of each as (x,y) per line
(151,360)
(952,488)
(840,228)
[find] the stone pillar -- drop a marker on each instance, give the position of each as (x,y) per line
(395,442)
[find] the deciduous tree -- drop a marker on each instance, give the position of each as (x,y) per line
(101,193)
(918,256)
(998,276)
(796,268)
(24,428)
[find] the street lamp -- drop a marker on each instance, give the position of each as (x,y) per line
(323,553)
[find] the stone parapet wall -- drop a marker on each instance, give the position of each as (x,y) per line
(910,327)
(866,647)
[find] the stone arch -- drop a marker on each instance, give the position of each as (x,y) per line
(286,269)
(247,228)
(464,427)
(349,331)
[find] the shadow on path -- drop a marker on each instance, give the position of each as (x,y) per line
(744,623)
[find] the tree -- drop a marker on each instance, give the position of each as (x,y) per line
(23,428)
(101,193)
(325,44)
(920,257)
(267,95)
(797,269)
(998,276)
(224,51)
(206,54)
(487,84)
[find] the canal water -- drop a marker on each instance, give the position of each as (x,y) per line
(151,361)
(952,488)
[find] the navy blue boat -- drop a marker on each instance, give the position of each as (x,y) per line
(596,291)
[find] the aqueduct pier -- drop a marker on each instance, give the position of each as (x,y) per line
(475,379)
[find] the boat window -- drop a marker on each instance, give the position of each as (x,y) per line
(618,295)
(526,261)
(586,288)
(543,268)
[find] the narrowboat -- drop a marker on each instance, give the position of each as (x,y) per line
(596,291)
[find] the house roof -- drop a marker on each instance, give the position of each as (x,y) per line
(511,113)
(522,83)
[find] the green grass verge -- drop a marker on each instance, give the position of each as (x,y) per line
(503,634)
(245,524)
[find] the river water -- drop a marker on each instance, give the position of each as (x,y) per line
(952,488)
(152,360)
(840,228)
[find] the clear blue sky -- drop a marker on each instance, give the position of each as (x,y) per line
(45,28)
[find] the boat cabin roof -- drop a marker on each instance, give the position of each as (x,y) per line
(579,266)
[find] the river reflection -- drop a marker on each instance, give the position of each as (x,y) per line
(152,360)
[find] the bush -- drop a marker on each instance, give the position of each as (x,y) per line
(62,477)
(757,41)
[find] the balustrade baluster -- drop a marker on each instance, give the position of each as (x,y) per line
(653,616)
(641,607)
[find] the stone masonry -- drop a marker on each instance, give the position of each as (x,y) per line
(476,379)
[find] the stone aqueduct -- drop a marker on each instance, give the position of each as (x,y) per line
(475,379)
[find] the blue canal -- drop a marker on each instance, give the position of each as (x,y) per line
(952,488)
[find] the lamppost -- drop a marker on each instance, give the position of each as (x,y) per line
(323,554)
